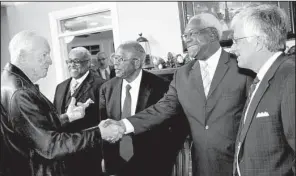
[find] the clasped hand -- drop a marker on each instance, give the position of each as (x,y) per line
(112,130)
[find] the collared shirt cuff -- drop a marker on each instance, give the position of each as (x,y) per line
(128,126)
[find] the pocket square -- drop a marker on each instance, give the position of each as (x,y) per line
(262,114)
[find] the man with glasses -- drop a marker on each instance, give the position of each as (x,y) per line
(132,90)
(211,91)
(82,85)
(265,143)
(105,70)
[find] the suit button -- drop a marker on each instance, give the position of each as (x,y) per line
(207,127)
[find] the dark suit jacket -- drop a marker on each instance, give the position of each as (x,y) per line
(31,129)
(153,150)
(87,162)
(268,142)
(213,121)
(112,72)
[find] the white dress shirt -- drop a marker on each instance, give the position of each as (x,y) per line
(102,71)
(134,91)
(79,80)
(212,62)
(261,73)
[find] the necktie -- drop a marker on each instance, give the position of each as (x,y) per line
(205,76)
(74,87)
(252,88)
(126,143)
(107,74)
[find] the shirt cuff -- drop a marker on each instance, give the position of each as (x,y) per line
(129,128)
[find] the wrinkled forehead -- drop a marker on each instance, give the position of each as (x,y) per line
(194,24)
(78,55)
(125,53)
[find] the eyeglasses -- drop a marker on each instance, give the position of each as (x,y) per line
(235,40)
(76,62)
(120,59)
(190,33)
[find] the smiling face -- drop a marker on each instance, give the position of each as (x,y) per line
(198,39)
(78,64)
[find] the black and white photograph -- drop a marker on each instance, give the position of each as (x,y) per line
(131,88)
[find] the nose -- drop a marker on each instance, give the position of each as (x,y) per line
(49,60)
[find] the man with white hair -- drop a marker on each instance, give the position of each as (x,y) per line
(31,129)
(265,143)
(212,93)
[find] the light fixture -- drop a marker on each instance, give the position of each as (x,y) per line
(145,44)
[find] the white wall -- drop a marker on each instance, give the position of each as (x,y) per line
(4,38)
(158,21)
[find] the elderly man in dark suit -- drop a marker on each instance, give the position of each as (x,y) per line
(31,130)
(131,91)
(82,85)
(265,142)
(211,91)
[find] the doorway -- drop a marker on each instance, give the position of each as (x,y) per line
(94,26)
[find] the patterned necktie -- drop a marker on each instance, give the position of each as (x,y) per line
(126,143)
(252,89)
(204,67)
(107,74)
(74,86)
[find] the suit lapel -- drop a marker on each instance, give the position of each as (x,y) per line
(84,87)
(258,96)
(115,100)
(63,99)
(144,93)
(196,78)
(219,74)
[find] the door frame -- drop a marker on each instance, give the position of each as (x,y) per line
(59,49)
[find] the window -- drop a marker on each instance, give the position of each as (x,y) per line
(225,11)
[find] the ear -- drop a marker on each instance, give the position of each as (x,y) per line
(138,63)
(259,45)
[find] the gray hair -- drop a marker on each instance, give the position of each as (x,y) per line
(208,20)
(23,40)
(81,52)
(135,47)
(268,22)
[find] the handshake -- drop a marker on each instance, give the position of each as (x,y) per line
(112,130)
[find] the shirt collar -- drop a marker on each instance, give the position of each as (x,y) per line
(267,65)
(213,60)
(135,82)
(82,78)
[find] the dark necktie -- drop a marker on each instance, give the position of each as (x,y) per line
(107,74)
(252,89)
(126,143)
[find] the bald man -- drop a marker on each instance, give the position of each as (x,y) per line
(131,91)
(31,128)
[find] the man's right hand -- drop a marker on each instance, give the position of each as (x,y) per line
(111,130)
(77,112)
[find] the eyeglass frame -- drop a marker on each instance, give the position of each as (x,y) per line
(234,40)
(76,62)
(190,33)
(120,59)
